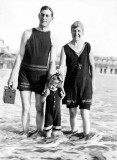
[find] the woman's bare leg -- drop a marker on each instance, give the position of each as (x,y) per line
(73,119)
(86,121)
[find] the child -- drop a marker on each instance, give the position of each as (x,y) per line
(54,83)
(78,63)
(53,95)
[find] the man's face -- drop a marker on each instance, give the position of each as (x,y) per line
(77,33)
(45,18)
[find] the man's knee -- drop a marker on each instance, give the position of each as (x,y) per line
(40,108)
(38,104)
(25,107)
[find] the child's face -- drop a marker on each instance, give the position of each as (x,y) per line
(52,85)
(77,33)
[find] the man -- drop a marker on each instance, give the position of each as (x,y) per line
(35,63)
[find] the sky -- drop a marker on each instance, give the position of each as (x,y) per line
(98,16)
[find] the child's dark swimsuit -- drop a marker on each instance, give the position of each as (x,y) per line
(53,112)
(78,82)
(34,66)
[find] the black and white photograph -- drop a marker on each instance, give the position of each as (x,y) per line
(58,79)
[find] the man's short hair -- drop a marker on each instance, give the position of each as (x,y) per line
(47,8)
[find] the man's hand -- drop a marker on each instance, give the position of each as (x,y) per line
(10,83)
(44,95)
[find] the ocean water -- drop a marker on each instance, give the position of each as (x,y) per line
(103,116)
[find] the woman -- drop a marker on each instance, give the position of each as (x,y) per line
(79,84)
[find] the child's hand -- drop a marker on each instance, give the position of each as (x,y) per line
(61,92)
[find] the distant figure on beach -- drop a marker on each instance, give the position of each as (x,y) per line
(53,95)
(79,84)
(35,63)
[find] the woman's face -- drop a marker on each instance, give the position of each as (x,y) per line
(77,33)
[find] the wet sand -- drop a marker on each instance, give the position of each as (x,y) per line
(14,146)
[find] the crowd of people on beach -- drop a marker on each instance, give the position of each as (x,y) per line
(72,84)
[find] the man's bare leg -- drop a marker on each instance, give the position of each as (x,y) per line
(40,108)
(26,104)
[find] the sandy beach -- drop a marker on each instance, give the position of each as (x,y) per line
(14,146)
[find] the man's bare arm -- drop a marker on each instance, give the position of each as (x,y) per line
(19,58)
(53,56)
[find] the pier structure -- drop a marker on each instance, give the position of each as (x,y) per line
(7,57)
(106,65)
(103,65)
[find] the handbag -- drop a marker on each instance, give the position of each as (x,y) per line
(9,95)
